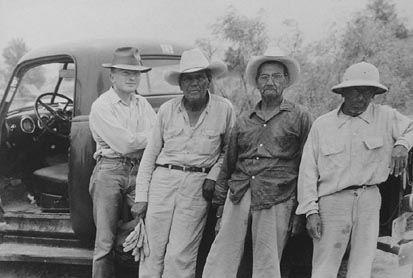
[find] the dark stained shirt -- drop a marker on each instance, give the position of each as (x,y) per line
(264,155)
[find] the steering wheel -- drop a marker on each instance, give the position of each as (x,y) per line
(61,115)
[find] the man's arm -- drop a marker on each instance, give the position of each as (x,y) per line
(149,157)
(228,167)
(402,131)
(104,123)
(208,186)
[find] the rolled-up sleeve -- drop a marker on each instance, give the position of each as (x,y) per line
(308,175)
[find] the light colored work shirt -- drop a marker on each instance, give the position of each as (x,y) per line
(342,151)
(119,129)
(175,142)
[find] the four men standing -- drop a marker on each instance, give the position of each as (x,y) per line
(348,152)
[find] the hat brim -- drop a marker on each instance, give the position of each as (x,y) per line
(252,67)
(216,68)
(127,67)
(338,89)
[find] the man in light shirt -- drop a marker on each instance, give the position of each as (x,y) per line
(179,167)
(349,151)
(120,121)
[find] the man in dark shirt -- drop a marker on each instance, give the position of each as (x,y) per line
(260,169)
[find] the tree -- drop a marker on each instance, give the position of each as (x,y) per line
(246,37)
(15,49)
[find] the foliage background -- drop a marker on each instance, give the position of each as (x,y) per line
(375,35)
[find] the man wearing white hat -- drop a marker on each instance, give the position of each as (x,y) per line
(260,170)
(179,167)
(349,151)
(120,121)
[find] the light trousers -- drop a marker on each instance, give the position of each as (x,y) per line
(348,217)
(269,229)
(175,220)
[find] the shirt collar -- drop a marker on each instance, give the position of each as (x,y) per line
(114,98)
(366,116)
(284,106)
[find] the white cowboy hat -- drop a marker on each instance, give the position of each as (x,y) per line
(272,54)
(191,61)
(127,58)
(360,74)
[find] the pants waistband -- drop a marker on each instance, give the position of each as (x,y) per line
(133,161)
(184,168)
(355,187)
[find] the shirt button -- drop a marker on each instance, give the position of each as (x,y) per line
(265,125)
(253,177)
(260,145)
(257,158)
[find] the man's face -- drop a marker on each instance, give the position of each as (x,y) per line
(271,80)
(125,81)
(357,99)
(194,85)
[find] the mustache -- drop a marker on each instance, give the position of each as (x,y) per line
(270,87)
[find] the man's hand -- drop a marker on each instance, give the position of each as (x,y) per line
(314,226)
(138,210)
(297,224)
(220,211)
(208,189)
(399,158)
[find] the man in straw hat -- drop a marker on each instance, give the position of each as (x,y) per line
(348,152)
(120,121)
(260,169)
(179,167)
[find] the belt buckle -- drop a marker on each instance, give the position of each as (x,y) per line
(184,168)
(169,166)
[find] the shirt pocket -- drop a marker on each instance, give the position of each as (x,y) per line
(333,155)
(373,149)
(283,146)
(210,141)
(173,140)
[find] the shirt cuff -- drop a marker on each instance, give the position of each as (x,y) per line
(313,211)
(404,143)
(141,196)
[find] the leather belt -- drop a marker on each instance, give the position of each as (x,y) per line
(185,168)
(355,187)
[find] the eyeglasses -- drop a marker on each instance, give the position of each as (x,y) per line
(276,77)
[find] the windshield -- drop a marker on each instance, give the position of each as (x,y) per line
(153,82)
(43,79)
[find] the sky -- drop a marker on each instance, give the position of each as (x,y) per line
(42,22)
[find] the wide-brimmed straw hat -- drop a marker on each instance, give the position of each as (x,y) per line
(276,55)
(127,58)
(191,61)
(361,74)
